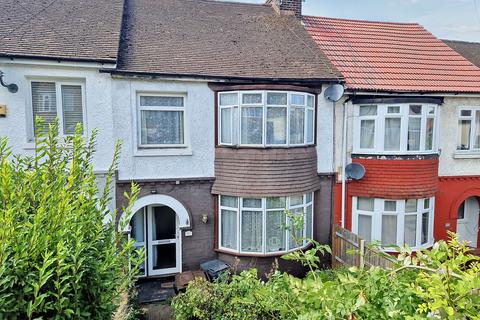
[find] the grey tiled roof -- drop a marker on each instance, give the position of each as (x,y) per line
(469,50)
(220,39)
(61,29)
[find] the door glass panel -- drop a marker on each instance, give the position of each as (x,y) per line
(164,256)
(138,226)
(164,224)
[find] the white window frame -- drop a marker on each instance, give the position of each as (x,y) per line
(264,211)
(264,105)
(138,120)
(379,133)
(59,105)
(471,118)
(378,212)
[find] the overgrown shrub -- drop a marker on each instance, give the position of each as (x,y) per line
(58,259)
(441,283)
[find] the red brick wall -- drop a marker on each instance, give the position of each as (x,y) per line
(396,179)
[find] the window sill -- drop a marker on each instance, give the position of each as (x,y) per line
(163,152)
(466,155)
(260,255)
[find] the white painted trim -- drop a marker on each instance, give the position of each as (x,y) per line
(160,199)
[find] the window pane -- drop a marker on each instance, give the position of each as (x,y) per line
(390,206)
(251,231)
(431,110)
(226,125)
(368,110)
(367,134)
(275,231)
(296,234)
(231,202)
(392,134)
(411,230)
(393,110)
(229,229)
(252,98)
(429,134)
(228,99)
(44,101)
(365,227)
(464,134)
(277,98)
(477,130)
(156,101)
(414,126)
(365,204)
(161,127)
(308,222)
(389,230)
(276,203)
(310,126)
(252,203)
(461,211)
(308,197)
(297,99)
(252,125)
(72,108)
(415,110)
(276,125)
(425,218)
(466,113)
(411,205)
(297,125)
(426,203)
(296,200)
(138,226)
(310,101)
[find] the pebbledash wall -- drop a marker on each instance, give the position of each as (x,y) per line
(452,176)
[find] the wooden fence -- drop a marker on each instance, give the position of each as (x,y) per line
(349,249)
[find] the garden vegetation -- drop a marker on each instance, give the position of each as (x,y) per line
(61,256)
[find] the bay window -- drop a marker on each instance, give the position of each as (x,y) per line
(161,120)
(394,222)
(469,129)
(62,100)
(266,118)
(261,225)
(394,129)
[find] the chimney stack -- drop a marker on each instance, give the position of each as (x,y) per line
(289,7)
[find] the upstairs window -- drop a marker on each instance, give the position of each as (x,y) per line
(395,129)
(51,100)
(161,121)
(469,129)
(266,118)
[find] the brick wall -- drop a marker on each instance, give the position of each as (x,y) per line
(293,7)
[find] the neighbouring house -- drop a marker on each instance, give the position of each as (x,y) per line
(217,106)
(469,50)
(411,118)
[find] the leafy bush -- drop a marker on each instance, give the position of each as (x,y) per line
(441,283)
(58,260)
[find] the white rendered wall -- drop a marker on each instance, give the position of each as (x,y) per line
(324,127)
(453,163)
(194,161)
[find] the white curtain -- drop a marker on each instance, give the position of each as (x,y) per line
(365,227)
(275,231)
(295,232)
(367,134)
(276,125)
(477,130)
(162,127)
(429,134)
(414,128)
(226,128)
(310,126)
(297,125)
(229,229)
(251,231)
(411,230)
(252,125)
(392,134)
(464,134)
(389,230)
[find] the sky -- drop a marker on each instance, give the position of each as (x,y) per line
(446,19)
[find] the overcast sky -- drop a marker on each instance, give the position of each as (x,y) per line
(447,19)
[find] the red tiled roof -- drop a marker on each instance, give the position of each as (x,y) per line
(384,56)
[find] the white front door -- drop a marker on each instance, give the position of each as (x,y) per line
(155,228)
(467,223)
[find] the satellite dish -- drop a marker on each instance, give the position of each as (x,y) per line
(334,92)
(354,171)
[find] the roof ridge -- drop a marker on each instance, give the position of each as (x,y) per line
(365,21)
(461,41)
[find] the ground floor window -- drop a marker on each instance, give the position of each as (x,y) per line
(394,222)
(262,225)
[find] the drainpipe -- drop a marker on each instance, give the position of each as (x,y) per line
(344,159)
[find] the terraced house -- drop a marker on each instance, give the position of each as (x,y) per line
(224,122)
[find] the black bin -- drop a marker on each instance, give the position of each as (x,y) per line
(214,268)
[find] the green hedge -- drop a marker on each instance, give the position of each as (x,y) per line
(58,260)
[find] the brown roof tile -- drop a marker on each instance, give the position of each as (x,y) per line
(218,39)
(61,29)
(469,50)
